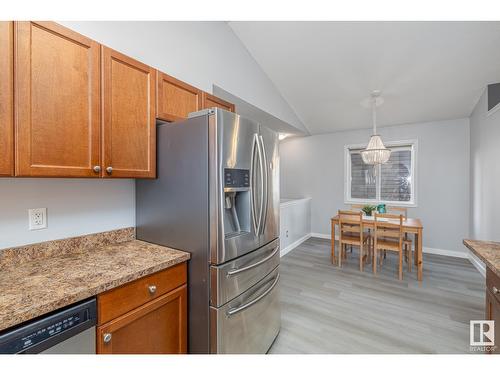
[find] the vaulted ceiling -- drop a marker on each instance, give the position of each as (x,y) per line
(426,70)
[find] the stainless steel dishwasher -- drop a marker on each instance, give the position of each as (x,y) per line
(70,330)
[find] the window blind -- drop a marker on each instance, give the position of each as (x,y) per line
(395,177)
(363,181)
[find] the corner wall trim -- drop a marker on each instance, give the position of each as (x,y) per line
(477,263)
(292,246)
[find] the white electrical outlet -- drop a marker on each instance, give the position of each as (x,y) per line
(37,218)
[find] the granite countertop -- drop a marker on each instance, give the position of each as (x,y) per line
(35,287)
(487,251)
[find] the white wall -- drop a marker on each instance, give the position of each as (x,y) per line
(485,173)
(295,223)
(200,53)
(314,167)
(74,207)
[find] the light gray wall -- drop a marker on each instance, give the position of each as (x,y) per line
(314,167)
(485,173)
(201,53)
(74,207)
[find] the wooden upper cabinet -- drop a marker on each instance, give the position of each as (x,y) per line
(57,120)
(209,101)
(157,327)
(129,124)
(6,98)
(176,99)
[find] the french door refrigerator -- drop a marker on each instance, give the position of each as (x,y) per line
(217,196)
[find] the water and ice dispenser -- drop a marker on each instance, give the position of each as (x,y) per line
(237,202)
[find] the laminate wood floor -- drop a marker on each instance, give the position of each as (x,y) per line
(326,309)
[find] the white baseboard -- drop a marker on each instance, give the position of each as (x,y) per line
(476,262)
(321,235)
(292,246)
(448,253)
(324,236)
(428,250)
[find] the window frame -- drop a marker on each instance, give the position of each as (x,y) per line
(412,144)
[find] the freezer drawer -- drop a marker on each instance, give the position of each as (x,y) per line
(233,278)
(250,323)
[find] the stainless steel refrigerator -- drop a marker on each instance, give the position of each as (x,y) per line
(217,196)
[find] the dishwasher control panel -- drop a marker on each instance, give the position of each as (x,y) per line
(55,328)
(41,334)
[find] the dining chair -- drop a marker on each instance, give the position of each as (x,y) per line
(388,236)
(352,233)
(358,207)
(407,242)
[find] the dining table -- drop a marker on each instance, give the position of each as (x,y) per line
(411,226)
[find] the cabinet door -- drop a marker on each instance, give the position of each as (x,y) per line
(158,327)
(57,75)
(176,99)
(129,127)
(210,101)
(6,98)
(493,313)
(493,303)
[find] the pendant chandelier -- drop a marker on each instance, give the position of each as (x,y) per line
(375,153)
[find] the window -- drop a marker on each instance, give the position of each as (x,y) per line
(392,182)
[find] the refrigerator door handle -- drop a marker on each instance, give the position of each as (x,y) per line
(262,185)
(255,142)
(265,177)
(254,301)
(236,271)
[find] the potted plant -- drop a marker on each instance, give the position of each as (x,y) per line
(368,209)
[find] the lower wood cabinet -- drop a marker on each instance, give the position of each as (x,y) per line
(493,304)
(158,327)
(209,101)
(145,316)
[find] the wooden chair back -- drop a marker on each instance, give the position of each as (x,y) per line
(401,210)
(350,222)
(391,229)
(388,235)
(356,207)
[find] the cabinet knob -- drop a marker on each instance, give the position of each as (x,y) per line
(106,337)
(495,290)
(97,169)
(152,289)
(109,170)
